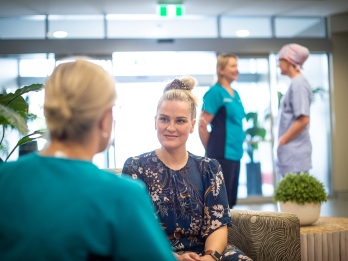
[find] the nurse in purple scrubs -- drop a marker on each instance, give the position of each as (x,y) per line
(294,149)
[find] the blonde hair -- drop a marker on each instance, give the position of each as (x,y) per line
(222,61)
(180,90)
(76,95)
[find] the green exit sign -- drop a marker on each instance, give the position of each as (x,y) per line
(170,10)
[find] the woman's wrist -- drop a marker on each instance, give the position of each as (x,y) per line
(208,258)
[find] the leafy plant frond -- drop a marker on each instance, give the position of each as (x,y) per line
(30,137)
(30,88)
(4,148)
(300,188)
(318,91)
(253,116)
(11,117)
(14,114)
(254,134)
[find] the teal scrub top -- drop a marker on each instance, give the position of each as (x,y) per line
(63,209)
(227,135)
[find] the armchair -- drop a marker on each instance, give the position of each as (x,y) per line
(266,236)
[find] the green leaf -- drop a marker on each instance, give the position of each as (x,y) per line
(17,103)
(4,147)
(255,145)
(11,117)
(29,137)
(28,88)
(33,136)
(253,116)
(256,131)
(300,188)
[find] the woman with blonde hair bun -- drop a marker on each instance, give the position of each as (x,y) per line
(56,204)
(187,191)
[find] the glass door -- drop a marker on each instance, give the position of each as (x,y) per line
(256,176)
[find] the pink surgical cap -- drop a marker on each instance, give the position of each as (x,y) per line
(294,53)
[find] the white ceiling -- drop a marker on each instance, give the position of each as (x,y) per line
(201,7)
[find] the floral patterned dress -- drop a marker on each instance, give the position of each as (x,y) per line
(191,201)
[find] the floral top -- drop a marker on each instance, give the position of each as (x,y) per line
(192,200)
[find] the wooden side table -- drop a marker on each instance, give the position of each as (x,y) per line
(325,240)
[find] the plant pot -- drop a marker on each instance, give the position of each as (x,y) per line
(28,147)
(308,213)
(254,180)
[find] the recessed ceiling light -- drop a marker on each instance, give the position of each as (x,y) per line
(60,34)
(242,33)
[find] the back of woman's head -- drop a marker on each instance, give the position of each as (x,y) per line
(76,95)
(222,61)
(180,90)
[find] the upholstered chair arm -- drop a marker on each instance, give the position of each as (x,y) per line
(266,236)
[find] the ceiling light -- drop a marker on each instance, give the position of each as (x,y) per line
(242,33)
(60,34)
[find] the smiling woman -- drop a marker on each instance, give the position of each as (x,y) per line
(188,191)
(172,124)
(176,117)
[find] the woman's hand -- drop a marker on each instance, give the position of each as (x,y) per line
(295,129)
(190,256)
(281,141)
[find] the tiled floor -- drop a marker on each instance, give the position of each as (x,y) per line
(332,208)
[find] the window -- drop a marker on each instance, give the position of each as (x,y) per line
(76,26)
(26,27)
(292,27)
(253,27)
(152,26)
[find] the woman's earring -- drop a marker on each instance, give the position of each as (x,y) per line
(105,135)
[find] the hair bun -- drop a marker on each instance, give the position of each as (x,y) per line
(178,84)
(185,84)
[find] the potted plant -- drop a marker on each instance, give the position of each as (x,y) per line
(301,194)
(14,114)
(253,136)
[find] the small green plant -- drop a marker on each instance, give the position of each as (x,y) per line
(254,134)
(14,115)
(300,188)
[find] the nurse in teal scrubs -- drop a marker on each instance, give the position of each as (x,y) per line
(223,111)
(56,204)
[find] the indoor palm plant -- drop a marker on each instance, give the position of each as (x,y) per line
(301,194)
(14,114)
(253,136)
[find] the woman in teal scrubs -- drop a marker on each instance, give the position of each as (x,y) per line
(56,204)
(223,111)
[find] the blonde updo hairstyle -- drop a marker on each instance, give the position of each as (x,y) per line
(180,90)
(222,61)
(76,95)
